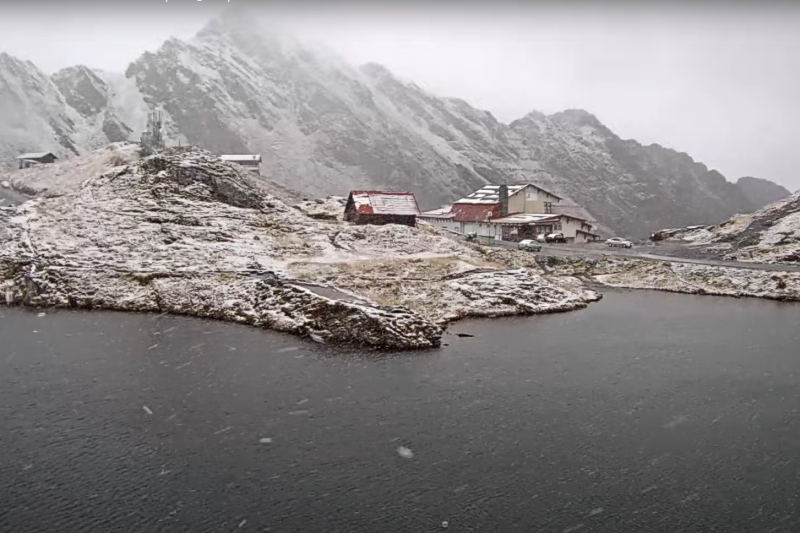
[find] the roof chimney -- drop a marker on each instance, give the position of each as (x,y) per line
(503,194)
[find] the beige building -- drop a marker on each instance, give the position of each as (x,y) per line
(531,199)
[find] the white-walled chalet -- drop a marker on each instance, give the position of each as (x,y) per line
(510,213)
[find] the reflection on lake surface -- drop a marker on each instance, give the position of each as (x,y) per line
(645,412)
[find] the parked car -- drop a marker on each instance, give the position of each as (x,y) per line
(619,242)
(530,245)
(541,238)
(556,237)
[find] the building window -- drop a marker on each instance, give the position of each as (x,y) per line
(558,226)
(548,207)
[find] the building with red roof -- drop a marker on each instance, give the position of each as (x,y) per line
(381,207)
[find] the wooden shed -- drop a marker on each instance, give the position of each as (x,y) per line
(38,158)
(381,207)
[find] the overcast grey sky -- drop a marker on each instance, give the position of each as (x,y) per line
(721,83)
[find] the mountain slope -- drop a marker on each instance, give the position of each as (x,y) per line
(760,192)
(770,235)
(73,111)
(35,117)
(315,120)
(631,187)
(324,127)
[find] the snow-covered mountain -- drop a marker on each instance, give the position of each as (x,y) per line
(75,110)
(33,113)
(324,126)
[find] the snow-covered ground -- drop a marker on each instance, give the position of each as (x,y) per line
(66,175)
(184,232)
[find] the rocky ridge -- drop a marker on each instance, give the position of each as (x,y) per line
(325,127)
(184,232)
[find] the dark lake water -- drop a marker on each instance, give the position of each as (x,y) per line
(646,412)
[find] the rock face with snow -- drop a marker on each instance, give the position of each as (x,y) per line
(770,235)
(184,232)
(325,127)
(90,96)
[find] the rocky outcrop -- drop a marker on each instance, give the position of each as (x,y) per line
(183,232)
(256,298)
(450,288)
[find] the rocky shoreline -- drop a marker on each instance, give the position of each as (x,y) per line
(679,277)
(185,233)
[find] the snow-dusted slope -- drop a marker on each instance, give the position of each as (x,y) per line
(71,112)
(33,114)
(770,235)
(324,127)
(91,96)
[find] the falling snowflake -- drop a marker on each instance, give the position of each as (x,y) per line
(404,452)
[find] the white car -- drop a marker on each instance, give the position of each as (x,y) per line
(620,242)
(530,244)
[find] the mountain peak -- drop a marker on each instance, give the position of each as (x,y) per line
(82,89)
(577,117)
(376,70)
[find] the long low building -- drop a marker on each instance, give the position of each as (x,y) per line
(510,213)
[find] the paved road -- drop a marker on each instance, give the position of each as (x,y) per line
(641,253)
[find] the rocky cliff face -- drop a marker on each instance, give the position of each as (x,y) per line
(324,127)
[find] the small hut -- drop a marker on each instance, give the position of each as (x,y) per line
(37,158)
(381,207)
